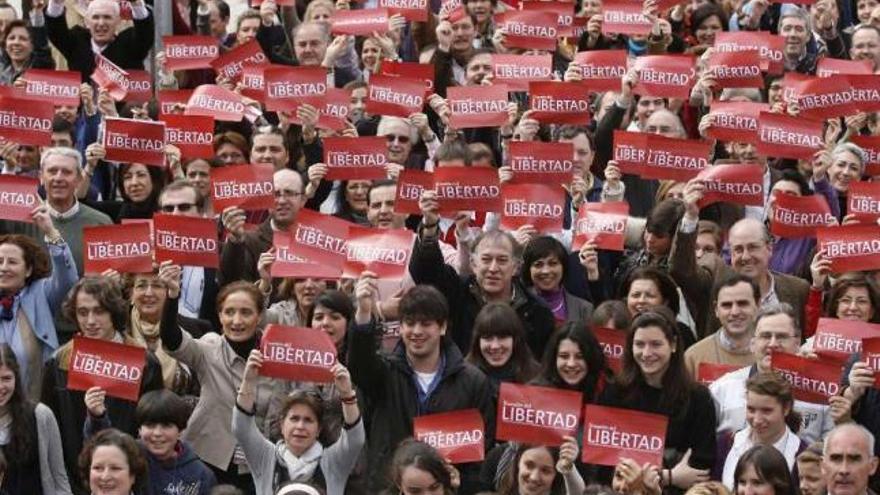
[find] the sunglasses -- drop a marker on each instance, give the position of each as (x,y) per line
(183,208)
(400,139)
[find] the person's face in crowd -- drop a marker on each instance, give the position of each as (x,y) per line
(706,245)
(137,183)
(844,169)
(102,20)
(546,273)
(61,139)
(229,154)
(198,173)
(810,478)
(735,309)
(494,265)
(743,152)
(310,45)
(300,428)
(749,483)
(28,157)
(819,8)
(583,153)
(591,8)
(657,243)
(571,363)
(399,138)
(306,290)
(847,463)
(421,337)
(866,46)
(415,481)
(652,352)
(675,192)
(357,104)
(749,250)
(765,415)
(109,472)
(7,385)
(66,112)
(496,349)
(380,210)
(356,194)
(536,472)
(92,318)
(864,9)
(216,22)
(179,202)
(795,33)
(478,67)
(269,149)
(463,33)
(646,106)
(321,14)
(643,295)
(18,44)
(13,268)
(247,30)
(333,323)
(371,54)
(665,124)
(781,187)
(480,9)
(288,197)
(773,334)
(855,305)
(7,15)
(60,176)
(160,439)
(775,92)
(875,17)
(239,317)
(148,295)
(705,32)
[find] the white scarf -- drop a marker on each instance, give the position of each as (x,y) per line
(300,468)
(787,445)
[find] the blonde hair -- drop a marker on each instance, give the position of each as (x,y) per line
(315,4)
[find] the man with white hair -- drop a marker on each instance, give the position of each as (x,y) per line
(79,45)
(848,460)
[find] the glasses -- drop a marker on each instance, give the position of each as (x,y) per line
(183,208)
(287,194)
(400,139)
(144,286)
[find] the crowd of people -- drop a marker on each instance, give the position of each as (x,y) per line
(480,305)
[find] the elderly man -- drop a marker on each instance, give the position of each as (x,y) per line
(79,45)
(313,46)
(848,460)
(866,45)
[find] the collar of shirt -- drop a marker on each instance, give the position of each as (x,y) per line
(63,215)
(97,48)
(770,297)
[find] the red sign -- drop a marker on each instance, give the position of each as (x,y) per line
(536,162)
(871,146)
(851,248)
(536,415)
(602,70)
(230,64)
(320,239)
(334,110)
(790,83)
(410,70)
(612,343)
(289,87)
(116,368)
(602,223)
(297,354)
(192,134)
(135,141)
(735,120)
(828,66)
(737,183)
(248,187)
(395,96)
(411,10)
(358,158)
(799,216)
(26,121)
(59,87)
(784,136)
(825,97)
(737,69)
(384,252)
(539,205)
(359,22)
(190,52)
(667,76)
(477,106)
(124,248)
(624,17)
(707,372)
(410,186)
(172,99)
(186,241)
(630,151)
(138,86)
(838,339)
(769,47)
(253,84)
(288,264)
(457,435)
(528,29)
(564,12)
(467,189)
(110,77)
(216,101)
(675,159)
(611,433)
(18,197)
(517,71)
(871,355)
(557,102)
(863,199)
(812,380)
(866,92)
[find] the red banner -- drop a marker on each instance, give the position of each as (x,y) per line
(249,187)
(138,86)
(737,183)
(812,380)
(289,265)
(124,248)
(395,96)
(517,71)
(289,87)
(667,76)
(135,141)
(529,30)
(216,101)
(737,69)
(359,22)
(467,189)
(334,109)
(411,70)
(863,200)
(784,136)
(192,134)
(624,17)
(18,197)
(602,70)
(564,12)
(866,92)
(297,354)
(612,343)
(26,121)
(871,355)
(769,47)
(839,339)
(735,121)
(799,216)
(410,186)
(411,10)
(828,66)
(230,64)
(825,97)
(707,372)
(384,252)
(630,151)
(169,99)
(871,146)
(190,52)
(557,102)
(253,84)
(539,205)
(59,87)
(186,240)
(457,435)
(851,248)
(110,77)
(320,239)
(611,433)
(116,368)
(358,158)
(676,159)
(477,106)
(536,415)
(602,223)
(536,162)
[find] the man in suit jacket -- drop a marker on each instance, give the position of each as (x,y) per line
(79,45)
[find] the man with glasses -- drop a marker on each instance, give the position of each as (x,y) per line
(401,135)
(775,331)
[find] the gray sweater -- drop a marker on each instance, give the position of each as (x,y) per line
(53,476)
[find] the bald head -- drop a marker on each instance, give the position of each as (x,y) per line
(289,197)
(750,249)
(848,459)
(666,124)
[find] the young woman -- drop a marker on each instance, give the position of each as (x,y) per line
(332,313)
(648,287)
(499,346)
(543,272)
(762,470)
(418,469)
(298,456)
(653,379)
(139,186)
(540,470)
(29,437)
(112,463)
(573,360)
(296,295)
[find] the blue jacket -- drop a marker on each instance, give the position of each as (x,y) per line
(186,474)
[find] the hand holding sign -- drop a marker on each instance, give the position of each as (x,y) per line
(170,276)
(94,399)
(820,268)
(841,409)
(365,294)
(248,387)
(568,453)
(861,378)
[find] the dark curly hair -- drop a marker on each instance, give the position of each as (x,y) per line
(35,256)
(137,464)
(106,292)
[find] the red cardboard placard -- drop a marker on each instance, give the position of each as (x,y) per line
(249,187)
(851,247)
(668,76)
(602,223)
(517,71)
(186,240)
(612,433)
(735,121)
(528,29)
(555,102)
(477,106)
(536,415)
(737,69)
(216,101)
(769,47)
(135,141)
(297,354)
(359,22)
(829,66)
(799,216)
(18,197)
(675,159)
(630,151)
(111,77)
(411,10)
(169,99)
(564,12)
(790,83)
(230,64)
(536,162)
(865,91)
(612,343)
(190,52)
(601,70)
(334,110)
(384,252)
(289,87)
(124,248)
(539,205)
(839,339)
(812,380)
(410,185)
(26,121)
(320,239)
(288,264)
(192,134)
(624,17)
(116,368)
(467,189)
(863,201)
(395,96)
(457,435)
(871,355)
(738,183)
(138,86)
(59,87)
(253,84)
(410,70)
(358,158)
(708,372)
(825,97)
(871,146)
(784,136)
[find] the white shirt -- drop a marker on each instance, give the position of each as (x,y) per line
(192,289)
